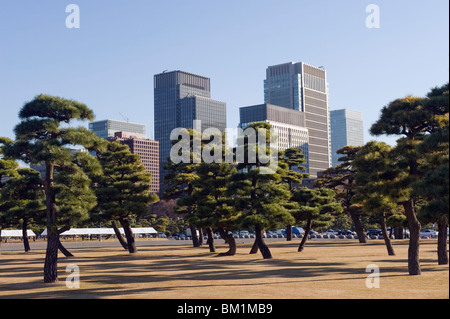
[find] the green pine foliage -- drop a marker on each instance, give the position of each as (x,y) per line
(41,137)
(22,201)
(180,180)
(316,207)
(262,198)
(411,118)
(123,189)
(342,180)
(214,209)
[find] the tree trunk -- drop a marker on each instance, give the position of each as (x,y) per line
(195,241)
(263,248)
(230,241)
(358,227)
(119,236)
(200,238)
(387,240)
(26,243)
(63,249)
(51,255)
(254,249)
(289,232)
(414,238)
(51,259)
(129,235)
(398,232)
(210,241)
(60,245)
(442,242)
(305,238)
(391,232)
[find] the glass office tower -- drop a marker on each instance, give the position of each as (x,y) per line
(303,87)
(347,129)
(107,128)
(179,99)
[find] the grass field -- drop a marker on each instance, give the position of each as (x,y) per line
(325,269)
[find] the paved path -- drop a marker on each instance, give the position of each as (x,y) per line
(80,244)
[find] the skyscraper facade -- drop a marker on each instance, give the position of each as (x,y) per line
(284,122)
(347,129)
(179,99)
(148,151)
(107,128)
(303,87)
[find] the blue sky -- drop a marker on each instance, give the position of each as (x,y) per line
(109,62)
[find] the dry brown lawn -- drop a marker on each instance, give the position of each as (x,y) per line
(325,269)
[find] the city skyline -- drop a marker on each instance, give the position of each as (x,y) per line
(109,62)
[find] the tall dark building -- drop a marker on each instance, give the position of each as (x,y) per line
(303,87)
(179,99)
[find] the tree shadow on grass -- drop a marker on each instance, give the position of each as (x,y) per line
(123,275)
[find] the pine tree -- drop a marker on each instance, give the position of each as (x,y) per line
(123,189)
(8,168)
(412,118)
(374,164)
(291,166)
(434,187)
(316,207)
(342,179)
(40,138)
(214,209)
(257,190)
(180,180)
(22,200)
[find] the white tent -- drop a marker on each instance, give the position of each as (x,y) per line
(85,231)
(16,233)
(143,230)
(103,231)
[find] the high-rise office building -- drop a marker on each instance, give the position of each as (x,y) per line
(284,122)
(347,129)
(179,99)
(135,136)
(148,151)
(303,87)
(107,128)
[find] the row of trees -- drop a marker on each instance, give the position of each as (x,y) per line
(110,186)
(223,197)
(403,184)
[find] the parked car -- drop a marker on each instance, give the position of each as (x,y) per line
(295,231)
(428,233)
(331,232)
(346,232)
(374,232)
